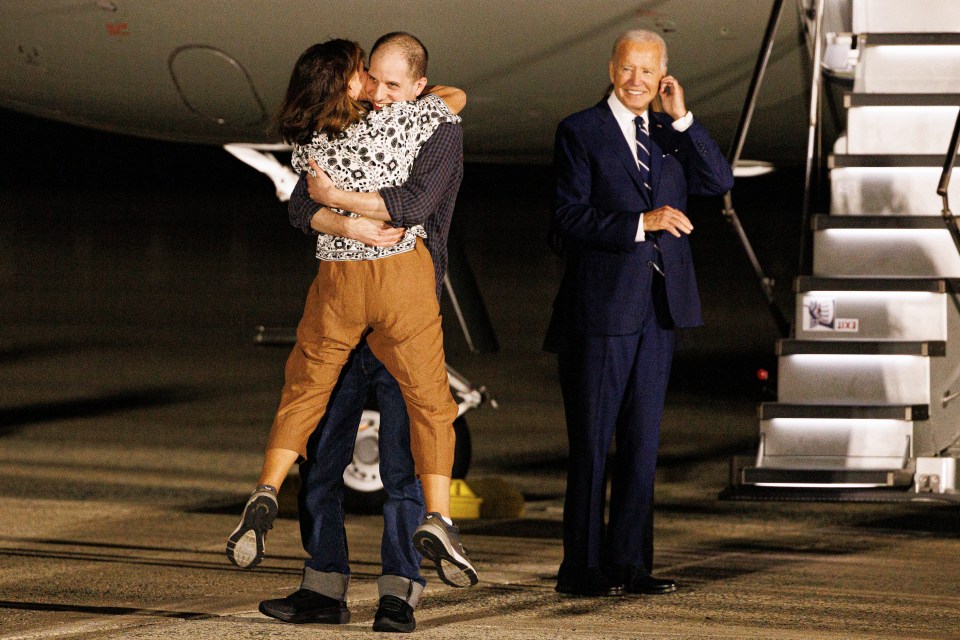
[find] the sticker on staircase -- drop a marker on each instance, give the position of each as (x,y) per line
(851,325)
(820,315)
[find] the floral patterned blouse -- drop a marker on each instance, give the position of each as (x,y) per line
(369,155)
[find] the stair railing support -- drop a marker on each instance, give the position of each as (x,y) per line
(944,184)
(812,134)
(733,156)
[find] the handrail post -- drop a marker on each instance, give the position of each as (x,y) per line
(740,136)
(733,156)
(813,125)
(944,185)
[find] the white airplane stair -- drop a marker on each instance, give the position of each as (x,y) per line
(883,247)
(868,387)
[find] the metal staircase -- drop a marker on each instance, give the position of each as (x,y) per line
(869,384)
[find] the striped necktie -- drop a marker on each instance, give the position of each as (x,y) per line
(643,152)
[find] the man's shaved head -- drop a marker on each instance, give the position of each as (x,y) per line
(411,47)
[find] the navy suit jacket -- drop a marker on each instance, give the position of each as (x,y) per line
(599,199)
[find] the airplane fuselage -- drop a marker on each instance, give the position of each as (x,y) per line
(215,72)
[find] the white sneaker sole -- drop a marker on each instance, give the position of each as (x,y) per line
(245,546)
(453,568)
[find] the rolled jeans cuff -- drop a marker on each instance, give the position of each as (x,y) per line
(403,588)
(332,585)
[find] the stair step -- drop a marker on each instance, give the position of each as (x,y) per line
(899,130)
(861,309)
(774,410)
(931,348)
(805,284)
(841,478)
(841,441)
(821,222)
(901,100)
(841,160)
(909,38)
(884,246)
(908,69)
(879,16)
(904,191)
(865,372)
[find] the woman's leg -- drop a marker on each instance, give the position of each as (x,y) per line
(276,466)
(438,488)
(407,338)
(333,323)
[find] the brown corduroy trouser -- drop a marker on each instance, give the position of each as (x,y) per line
(395,298)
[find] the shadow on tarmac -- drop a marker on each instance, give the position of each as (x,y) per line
(104,611)
(41,412)
(39,350)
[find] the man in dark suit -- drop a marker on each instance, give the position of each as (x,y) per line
(623,175)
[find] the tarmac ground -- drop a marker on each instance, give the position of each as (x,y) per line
(134,407)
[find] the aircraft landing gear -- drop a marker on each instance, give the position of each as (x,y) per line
(363,488)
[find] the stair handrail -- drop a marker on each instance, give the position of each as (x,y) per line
(733,156)
(944,184)
(951,224)
(813,128)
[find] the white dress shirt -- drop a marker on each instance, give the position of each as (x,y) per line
(625,118)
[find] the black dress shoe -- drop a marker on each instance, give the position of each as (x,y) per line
(304,605)
(591,584)
(394,615)
(643,582)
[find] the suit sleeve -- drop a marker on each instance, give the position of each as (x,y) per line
(708,172)
(575,216)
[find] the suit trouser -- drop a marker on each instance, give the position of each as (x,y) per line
(395,299)
(612,386)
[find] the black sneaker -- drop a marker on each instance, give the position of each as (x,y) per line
(440,543)
(304,605)
(394,616)
(245,545)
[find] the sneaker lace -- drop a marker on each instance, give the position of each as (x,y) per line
(392,605)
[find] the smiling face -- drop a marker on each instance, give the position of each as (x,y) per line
(389,78)
(635,71)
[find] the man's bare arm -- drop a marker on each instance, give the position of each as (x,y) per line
(370,232)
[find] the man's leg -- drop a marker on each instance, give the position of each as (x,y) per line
(408,340)
(326,573)
(400,584)
(630,534)
(593,375)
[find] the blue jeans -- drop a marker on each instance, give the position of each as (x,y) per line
(330,450)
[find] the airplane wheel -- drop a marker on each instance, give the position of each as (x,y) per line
(363,487)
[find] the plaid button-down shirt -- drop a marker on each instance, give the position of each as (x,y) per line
(427,197)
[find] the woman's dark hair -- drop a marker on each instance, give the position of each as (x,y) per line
(317,98)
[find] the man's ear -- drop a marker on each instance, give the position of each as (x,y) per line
(419,85)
